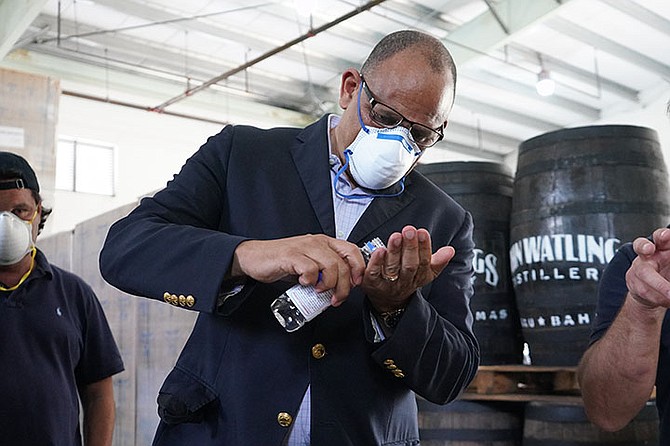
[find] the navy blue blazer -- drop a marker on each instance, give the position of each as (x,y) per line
(240,377)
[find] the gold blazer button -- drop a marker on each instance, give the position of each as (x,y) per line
(284,419)
(190,301)
(318,351)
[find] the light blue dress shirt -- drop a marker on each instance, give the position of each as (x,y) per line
(347,213)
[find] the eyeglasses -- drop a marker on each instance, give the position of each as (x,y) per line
(387,117)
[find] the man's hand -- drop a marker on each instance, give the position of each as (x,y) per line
(618,372)
(407,264)
(647,278)
(319,260)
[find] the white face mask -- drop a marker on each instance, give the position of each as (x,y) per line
(16,238)
(379,158)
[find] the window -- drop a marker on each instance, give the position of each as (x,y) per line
(84,166)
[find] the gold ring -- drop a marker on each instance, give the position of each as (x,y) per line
(391,278)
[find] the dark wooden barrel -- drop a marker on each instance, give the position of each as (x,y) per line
(579,194)
(470,423)
(551,424)
(485,189)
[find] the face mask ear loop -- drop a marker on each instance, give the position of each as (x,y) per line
(25,276)
(32,219)
(360,117)
(30,222)
(339,173)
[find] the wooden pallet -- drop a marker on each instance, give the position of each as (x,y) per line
(524,383)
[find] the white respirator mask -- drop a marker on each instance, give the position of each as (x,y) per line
(16,238)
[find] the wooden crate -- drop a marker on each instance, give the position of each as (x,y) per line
(524,383)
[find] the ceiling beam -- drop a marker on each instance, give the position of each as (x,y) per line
(599,82)
(463,149)
(15,17)
(116,83)
(484,33)
(129,53)
(487,140)
(492,79)
(311,33)
(154,16)
(639,12)
(103,37)
(423,17)
(609,46)
(505,114)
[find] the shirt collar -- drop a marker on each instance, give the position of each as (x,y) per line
(42,266)
(333,159)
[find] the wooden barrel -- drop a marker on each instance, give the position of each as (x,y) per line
(550,424)
(469,423)
(485,190)
(578,195)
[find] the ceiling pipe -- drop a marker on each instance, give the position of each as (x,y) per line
(99,32)
(107,100)
(495,15)
(58,26)
(311,33)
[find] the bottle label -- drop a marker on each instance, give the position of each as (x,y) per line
(308,301)
(300,304)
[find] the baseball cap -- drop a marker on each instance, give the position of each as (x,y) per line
(26,178)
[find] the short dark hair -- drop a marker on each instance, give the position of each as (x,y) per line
(13,174)
(429,47)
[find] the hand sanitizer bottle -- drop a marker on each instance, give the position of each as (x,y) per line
(300,304)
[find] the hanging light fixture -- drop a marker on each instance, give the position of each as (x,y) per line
(545,85)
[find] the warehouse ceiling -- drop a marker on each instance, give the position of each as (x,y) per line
(201,58)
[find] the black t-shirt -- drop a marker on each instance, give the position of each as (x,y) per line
(54,338)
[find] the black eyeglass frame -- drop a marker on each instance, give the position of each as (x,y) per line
(372,101)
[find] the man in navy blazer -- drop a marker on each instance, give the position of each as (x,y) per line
(253,211)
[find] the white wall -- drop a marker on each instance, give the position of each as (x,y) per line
(654,115)
(152,147)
